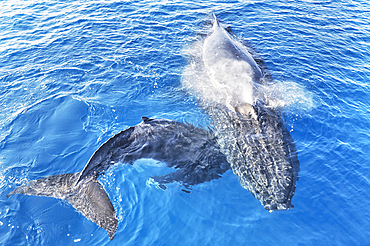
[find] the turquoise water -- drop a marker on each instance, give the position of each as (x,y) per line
(73,74)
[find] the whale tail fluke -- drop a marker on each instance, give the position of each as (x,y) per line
(88,197)
(93,202)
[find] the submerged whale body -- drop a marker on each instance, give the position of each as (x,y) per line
(248,136)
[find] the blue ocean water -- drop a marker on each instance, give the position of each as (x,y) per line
(74,73)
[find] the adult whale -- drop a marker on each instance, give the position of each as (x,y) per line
(230,81)
(247,133)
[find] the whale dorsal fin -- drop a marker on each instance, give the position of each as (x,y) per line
(215,21)
(145,119)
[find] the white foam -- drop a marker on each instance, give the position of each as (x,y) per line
(229,83)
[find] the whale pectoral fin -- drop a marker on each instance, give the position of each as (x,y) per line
(93,202)
(88,197)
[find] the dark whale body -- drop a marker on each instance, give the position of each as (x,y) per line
(192,151)
(250,131)
(247,136)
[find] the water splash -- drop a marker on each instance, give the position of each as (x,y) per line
(288,96)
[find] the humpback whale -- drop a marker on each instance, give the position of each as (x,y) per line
(230,83)
(192,151)
(247,135)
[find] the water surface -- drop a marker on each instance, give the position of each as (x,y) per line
(74,73)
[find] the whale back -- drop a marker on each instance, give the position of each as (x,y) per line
(230,66)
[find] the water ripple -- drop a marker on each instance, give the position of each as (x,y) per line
(74,73)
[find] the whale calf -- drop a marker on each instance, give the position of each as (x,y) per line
(247,135)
